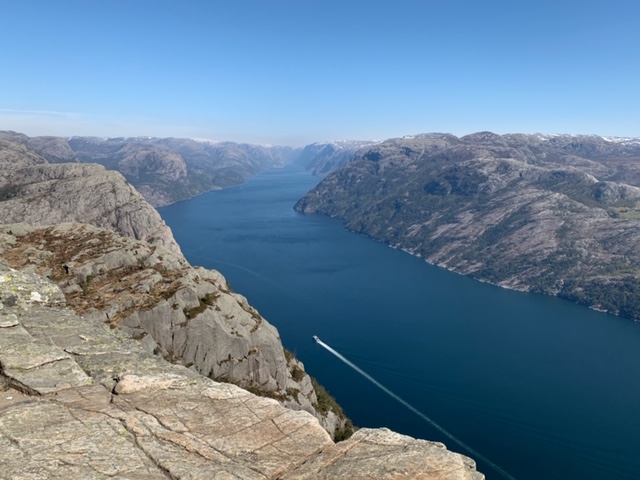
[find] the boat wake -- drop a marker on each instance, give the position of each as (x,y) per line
(424,417)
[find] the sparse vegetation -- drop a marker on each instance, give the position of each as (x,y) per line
(208,300)
(297,373)
(632,213)
(85,283)
(326,402)
(345,432)
(293,393)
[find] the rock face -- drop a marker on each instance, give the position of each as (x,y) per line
(324,158)
(78,400)
(185,314)
(145,287)
(14,154)
(110,348)
(552,214)
(39,193)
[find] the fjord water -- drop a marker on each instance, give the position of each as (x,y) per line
(543,388)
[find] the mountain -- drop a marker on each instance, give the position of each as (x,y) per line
(119,359)
(134,276)
(80,400)
(324,158)
(556,214)
(163,170)
(166,170)
(37,192)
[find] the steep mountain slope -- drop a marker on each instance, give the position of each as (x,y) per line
(536,213)
(166,170)
(80,401)
(185,314)
(140,282)
(36,192)
(163,170)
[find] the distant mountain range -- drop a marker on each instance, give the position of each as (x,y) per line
(167,170)
(163,170)
(557,214)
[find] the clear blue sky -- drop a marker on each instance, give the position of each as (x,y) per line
(298,71)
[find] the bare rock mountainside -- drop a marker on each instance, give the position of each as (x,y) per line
(556,214)
(163,170)
(80,400)
(37,192)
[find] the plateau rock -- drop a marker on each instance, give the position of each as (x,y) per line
(80,400)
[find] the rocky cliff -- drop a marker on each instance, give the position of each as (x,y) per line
(112,348)
(186,315)
(37,192)
(80,400)
(145,287)
(553,214)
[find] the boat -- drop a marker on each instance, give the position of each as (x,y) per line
(315,337)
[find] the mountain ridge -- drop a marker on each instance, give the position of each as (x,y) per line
(550,214)
(109,337)
(163,170)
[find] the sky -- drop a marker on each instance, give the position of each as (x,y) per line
(294,72)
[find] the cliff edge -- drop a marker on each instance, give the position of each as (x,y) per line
(80,400)
(39,193)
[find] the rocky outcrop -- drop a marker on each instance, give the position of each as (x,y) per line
(54,149)
(80,400)
(537,213)
(184,314)
(39,193)
(146,288)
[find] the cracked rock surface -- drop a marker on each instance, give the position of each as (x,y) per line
(187,315)
(80,400)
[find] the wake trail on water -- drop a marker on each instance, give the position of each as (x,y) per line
(442,430)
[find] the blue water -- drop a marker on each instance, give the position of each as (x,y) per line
(543,388)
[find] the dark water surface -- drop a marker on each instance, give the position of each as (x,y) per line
(544,388)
